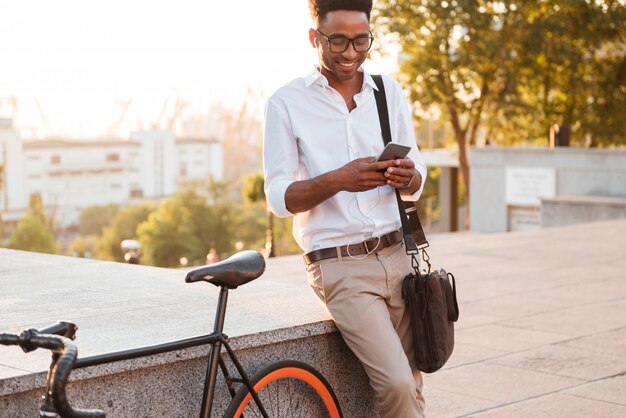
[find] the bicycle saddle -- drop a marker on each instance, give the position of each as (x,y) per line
(238,269)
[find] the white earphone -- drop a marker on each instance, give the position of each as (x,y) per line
(315,42)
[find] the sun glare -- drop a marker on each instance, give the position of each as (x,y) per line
(73,66)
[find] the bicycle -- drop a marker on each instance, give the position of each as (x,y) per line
(308,392)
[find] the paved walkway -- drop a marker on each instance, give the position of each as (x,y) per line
(542,331)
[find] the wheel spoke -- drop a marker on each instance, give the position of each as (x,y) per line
(287,389)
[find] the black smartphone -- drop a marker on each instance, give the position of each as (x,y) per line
(393,151)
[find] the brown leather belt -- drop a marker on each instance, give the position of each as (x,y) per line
(365,247)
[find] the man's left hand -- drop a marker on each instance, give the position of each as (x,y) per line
(404,177)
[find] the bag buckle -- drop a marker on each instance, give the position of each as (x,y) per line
(426,259)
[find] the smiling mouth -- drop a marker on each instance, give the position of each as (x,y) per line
(347,64)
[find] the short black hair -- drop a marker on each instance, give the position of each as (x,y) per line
(319,8)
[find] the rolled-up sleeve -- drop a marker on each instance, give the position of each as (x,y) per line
(406,136)
(280,156)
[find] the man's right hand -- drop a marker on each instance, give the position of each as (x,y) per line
(358,175)
(361,174)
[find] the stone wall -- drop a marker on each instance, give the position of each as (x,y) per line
(171,384)
(576,172)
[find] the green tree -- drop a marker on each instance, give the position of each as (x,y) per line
(33,232)
(573,68)
(223,226)
(251,226)
(456,56)
(94,219)
(185,225)
(123,226)
(253,192)
(35,206)
(510,69)
(283,237)
(82,247)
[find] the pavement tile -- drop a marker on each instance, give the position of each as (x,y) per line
(610,342)
(556,406)
(530,284)
(467,354)
(609,390)
(444,404)
(472,319)
(607,285)
(515,306)
(497,273)
(567,361)
(471,291)
(506,338)
(618,262)
(577,321)
(497,383)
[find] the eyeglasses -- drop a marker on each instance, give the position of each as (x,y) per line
(340,44)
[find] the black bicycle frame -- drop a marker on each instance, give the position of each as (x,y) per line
(217,338)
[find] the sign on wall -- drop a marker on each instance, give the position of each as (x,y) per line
(525,186)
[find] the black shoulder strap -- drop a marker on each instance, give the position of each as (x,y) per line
(383,117)
(381,104)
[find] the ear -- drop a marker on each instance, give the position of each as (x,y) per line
(313,37)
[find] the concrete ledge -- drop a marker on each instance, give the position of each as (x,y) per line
(171,384)
(258,341)
(566,210)
(119,306)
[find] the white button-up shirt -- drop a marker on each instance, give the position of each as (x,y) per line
(308,132)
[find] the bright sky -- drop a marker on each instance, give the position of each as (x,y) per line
(79,59)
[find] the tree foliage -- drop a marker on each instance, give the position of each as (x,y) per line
(185,225)
(507,70)
(123,226)
(94,219)
(224,224)
(530,62)
(82,247)
(254,191)
(573,62)
(253,188)
(33,233)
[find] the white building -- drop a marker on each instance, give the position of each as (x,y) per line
(13,196)
(71,175)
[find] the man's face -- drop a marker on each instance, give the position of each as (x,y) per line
(342,66)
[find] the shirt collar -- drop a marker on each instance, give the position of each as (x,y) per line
(317,76)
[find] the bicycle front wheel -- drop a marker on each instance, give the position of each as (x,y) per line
(287,389)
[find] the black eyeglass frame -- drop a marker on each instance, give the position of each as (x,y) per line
(350,41)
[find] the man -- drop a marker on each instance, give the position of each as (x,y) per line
(322,136)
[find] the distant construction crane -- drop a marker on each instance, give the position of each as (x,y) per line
(125,105)
(5,104)
(176,109)
(44,120)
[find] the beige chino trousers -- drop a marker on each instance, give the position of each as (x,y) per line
(363,295)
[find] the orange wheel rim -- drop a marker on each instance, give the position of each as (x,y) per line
(299,374)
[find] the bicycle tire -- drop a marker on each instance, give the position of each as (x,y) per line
(309,394)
